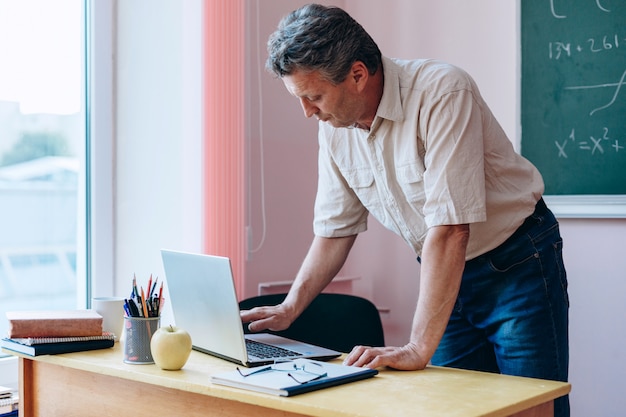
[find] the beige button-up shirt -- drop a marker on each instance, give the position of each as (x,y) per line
(435,155)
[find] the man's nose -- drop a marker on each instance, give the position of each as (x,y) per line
(308,108)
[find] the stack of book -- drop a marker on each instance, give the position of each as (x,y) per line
(8,402)
(46,332)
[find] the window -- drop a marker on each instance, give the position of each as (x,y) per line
(42,156)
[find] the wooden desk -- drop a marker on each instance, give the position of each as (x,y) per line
(98,383)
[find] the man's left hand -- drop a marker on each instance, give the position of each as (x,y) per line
(405,358)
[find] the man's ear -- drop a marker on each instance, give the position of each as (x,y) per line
(359,75)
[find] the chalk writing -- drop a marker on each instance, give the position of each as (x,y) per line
(595,144)
(573,94)
(556,15)
(555,49)
(605,43)
(618,86)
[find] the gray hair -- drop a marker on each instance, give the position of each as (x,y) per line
(320,38)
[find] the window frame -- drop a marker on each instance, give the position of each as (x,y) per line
(100,119)
(99,44)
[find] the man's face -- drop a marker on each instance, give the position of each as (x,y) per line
(338,105)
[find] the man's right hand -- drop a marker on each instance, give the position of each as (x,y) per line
(324,259)
(275,318)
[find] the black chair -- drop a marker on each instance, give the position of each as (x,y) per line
(334,321)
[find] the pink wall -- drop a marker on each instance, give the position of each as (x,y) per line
(482,38)
(282,160)
(596,264)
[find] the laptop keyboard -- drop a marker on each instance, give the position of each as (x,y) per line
(263,351)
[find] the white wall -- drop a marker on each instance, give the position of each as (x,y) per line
(158,183)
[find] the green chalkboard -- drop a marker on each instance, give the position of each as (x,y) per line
(573,92)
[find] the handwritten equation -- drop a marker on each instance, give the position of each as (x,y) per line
(593,145)
(558,50)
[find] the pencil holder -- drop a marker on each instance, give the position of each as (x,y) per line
(139,331)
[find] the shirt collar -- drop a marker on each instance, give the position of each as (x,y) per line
(390,106)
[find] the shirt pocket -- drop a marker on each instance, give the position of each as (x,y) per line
(361,181)
(411,180)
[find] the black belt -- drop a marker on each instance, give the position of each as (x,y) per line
(540,210)
(534,219)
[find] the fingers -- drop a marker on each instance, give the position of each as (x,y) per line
(401,358)
(273,323)
(365,356)
(258,318)
(264,318)
(256,313)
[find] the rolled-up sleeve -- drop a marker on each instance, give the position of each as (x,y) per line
(455,178)
(338,210)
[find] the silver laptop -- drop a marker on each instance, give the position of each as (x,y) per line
(204,302)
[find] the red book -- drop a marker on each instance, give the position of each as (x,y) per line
(54,323)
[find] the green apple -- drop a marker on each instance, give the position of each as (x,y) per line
(170,347)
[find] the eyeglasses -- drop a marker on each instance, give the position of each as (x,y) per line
(301,371)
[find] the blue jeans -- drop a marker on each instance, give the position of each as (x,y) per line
(511,315)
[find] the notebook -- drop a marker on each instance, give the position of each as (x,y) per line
(293,377)
(204,302)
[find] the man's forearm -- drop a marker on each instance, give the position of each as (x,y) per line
(325,258)
(443,261)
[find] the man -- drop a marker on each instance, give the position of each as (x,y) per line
(414,144)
